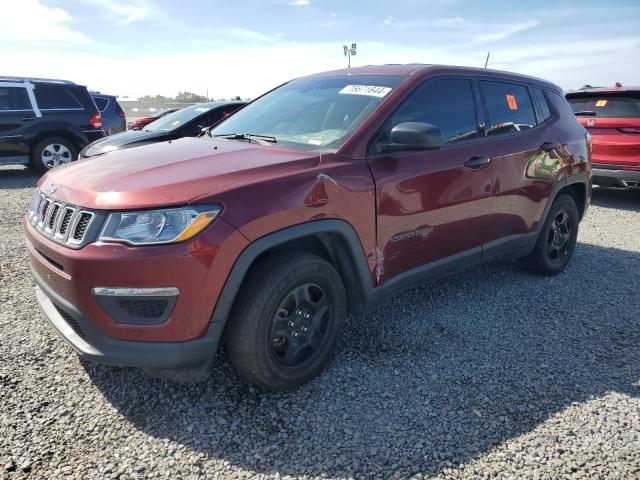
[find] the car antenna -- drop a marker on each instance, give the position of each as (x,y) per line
(486,62)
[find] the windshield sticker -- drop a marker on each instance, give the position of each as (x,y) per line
(511,101)
(369,90)
(601,103)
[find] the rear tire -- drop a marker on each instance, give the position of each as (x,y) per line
(52,152)
(557,239)
(286,321)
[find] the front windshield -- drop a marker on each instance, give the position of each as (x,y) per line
(317,113)
(176,119)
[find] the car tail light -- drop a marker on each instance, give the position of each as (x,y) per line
(96,121)
(121,114)
(630,129)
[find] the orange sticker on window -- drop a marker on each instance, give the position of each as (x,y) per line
(601,103)
(511,101)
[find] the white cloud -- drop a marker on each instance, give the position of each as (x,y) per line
(251,69)
(31,22)
(300,3)
(124,12)
(470,32)
(246,63)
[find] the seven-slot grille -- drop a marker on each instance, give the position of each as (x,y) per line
(64,223)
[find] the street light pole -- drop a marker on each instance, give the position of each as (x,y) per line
(348,52)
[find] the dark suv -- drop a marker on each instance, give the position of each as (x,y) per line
(45,123)
(324,196)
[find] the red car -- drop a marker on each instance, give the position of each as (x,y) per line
(612,117)
(140,123)
(326,195)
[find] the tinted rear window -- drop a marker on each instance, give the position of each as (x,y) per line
(101,103)
(14,98)
(55,97)
(606,105)
(510,108)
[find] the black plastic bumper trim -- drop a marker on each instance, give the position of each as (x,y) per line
(188,360)
(615,178)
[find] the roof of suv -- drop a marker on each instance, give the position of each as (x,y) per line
(419,68)
(631,88)
(36,80)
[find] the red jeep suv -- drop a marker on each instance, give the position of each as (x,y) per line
(612,117)
(324,196)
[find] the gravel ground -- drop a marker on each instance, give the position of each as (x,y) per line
(490,373)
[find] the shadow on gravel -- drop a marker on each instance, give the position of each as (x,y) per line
(618,198)
(439,376)
(18,177)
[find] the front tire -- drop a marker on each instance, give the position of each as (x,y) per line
(52,152)
(557,239)
(286,320)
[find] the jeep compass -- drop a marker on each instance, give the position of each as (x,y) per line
(327,195)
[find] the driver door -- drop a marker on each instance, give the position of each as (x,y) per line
(433,205)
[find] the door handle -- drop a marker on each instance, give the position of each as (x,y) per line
(477,162)
(548,146)
(28,119)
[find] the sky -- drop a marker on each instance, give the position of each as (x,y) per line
(246,47)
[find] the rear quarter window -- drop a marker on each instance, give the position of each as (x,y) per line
(509,107)
(101,103)
(14,98)
(617,105)
(542,103)
(55,97)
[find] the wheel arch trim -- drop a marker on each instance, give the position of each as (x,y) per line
(256,248)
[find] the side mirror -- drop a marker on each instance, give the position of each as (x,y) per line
(412,136)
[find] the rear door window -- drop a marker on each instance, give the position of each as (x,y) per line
(14,98)
(509,107)
(616,105)
(447,103)
(55,97)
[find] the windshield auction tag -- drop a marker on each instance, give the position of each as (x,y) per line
(369,90)
(601,103)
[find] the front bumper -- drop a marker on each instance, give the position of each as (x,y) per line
(615,176)
(183,345)
(183,361)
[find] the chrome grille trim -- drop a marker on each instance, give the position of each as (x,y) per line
(62,229)
(63,223)
(74,227)
(50,221)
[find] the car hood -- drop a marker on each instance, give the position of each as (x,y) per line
(121,140)
(170,173)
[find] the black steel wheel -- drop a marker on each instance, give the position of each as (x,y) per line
(559,236)
(301,325)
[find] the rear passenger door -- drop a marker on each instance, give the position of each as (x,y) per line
(522,146)
(433,206)
(16,115)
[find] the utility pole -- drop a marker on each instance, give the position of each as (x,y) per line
(486,62)
(348,52)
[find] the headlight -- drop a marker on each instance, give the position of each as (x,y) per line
(151,227)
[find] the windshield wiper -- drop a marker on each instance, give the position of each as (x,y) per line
(585,113)
(248,136)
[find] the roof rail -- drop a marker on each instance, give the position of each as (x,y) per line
(35,79)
